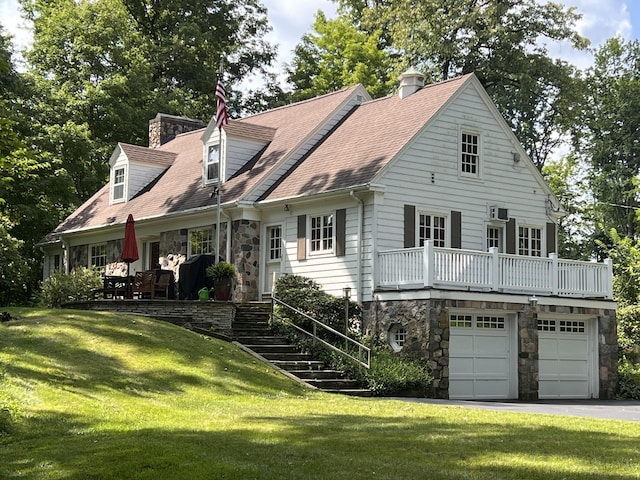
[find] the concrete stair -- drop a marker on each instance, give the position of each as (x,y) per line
(251,329)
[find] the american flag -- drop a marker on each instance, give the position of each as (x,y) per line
(221,111)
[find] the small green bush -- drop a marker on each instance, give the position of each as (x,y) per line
(390,373)
(629,380)
(77,286)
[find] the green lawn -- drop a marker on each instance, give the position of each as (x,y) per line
(104,396)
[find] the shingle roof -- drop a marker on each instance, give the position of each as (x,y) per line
(136,153)
(180,187)
(365,142)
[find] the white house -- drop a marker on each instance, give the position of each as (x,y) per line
(423,203)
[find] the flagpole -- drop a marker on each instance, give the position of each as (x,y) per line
(220,122)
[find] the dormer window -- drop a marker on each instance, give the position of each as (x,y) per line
(118,184)
(213,163)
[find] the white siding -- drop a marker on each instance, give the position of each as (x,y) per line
(427,175)
(238,153)
(139,176)
(331,272)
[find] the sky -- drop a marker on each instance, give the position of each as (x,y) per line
(602,19)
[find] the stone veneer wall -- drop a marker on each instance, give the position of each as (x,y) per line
(427,325)
(208,315)
(164,128)
(245,253)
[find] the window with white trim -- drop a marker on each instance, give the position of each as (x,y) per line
(530,241)
(275,243)
(200,241)
(212,168)
(461,321)
(470,154)
(98,256)
(432,227)
(494,237)
(489,322)
(397,337)
(118,184)
(322,233)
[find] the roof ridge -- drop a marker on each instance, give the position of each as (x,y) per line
(301,102)
(430,85)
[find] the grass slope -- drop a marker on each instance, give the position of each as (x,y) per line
(104,396)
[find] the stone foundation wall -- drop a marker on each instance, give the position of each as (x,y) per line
(426,323)
(207,315)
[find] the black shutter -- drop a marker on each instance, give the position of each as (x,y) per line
(511,236)
(456,229)
(341,232)
(302,237)
(409,226)
(551,238)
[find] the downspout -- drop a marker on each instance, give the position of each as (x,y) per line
(228,249)
(360,231)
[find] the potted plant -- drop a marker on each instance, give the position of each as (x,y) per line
(222,274)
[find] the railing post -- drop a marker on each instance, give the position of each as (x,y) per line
(555,274)
(495,268)
(609,280)
(428,260)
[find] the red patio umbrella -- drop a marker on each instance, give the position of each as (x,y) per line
(129,247)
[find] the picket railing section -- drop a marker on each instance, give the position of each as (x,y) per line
(437,267)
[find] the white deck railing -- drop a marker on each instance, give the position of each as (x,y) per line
(437,267)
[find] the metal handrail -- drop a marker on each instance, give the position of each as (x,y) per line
(362,349)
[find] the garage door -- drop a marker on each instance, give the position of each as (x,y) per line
(565,369)
(481,364)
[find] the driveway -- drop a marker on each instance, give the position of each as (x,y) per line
(609,409)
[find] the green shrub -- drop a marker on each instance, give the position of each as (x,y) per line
(77,286)
(390,373)
(628,380)
(306,295)
(629,333)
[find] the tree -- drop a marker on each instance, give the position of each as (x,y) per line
(568,184)
(338,56)
(610,139)
(101,69)
(501,41)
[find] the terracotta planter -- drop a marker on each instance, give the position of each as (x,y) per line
(222,290)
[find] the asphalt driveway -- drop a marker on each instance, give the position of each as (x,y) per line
(608,409)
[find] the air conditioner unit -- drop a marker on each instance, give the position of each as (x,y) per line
(496,213)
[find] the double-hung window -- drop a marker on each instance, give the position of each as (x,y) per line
(530,241)
(213,163)
(200,241)
(494,237)
(322,233)
(470,154)
(275,243)
(98,256)
(432,227)
(118,184)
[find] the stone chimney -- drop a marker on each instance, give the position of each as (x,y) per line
(165,127)
(410,82)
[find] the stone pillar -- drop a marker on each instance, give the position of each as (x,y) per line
(608,354)
(528,368)
(245,255)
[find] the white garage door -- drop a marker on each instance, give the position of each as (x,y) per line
(565,366)
(481,364)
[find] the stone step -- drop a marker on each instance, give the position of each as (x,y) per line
(263,340)
(333,383)
(290,365)
(286,357)
(317,374)
(273,349)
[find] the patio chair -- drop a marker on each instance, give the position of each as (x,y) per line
(144,285)
(161,288)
